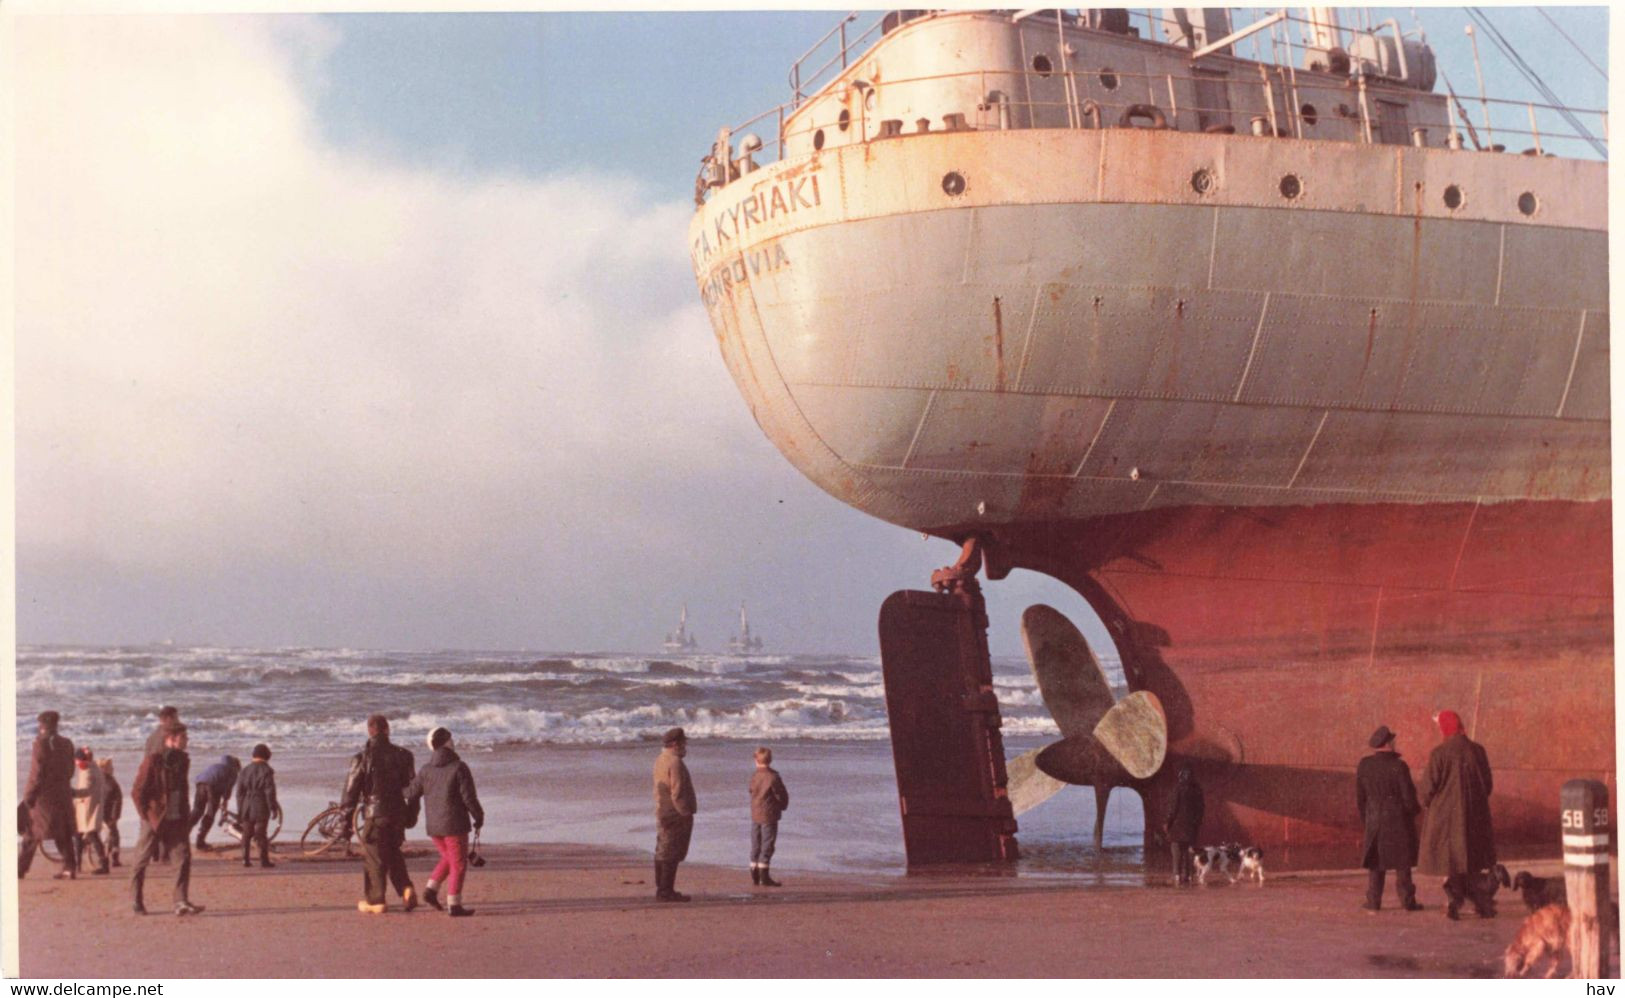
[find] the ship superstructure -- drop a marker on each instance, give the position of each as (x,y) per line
(1297,375)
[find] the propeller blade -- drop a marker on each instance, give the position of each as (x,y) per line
(1135,732)
(1082,760)
(1069,676)
(1027,785)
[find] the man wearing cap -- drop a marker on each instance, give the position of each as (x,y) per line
(159,796)
(48,795)
(675,805)
(1458,840)
(1387,801)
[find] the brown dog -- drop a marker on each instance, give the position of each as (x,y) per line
(1544,935)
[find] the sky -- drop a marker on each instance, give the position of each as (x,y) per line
(379,331)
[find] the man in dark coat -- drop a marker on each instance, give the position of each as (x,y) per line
(675,806)
(112,808)
(257,804)
(48,795)
(213,794)
(159,796)
(380,773)
(1458,840)
(1387,801)
(1184,824)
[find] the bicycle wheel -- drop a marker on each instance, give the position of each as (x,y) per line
(276,827)
(323,832)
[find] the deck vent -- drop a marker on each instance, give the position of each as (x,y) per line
(845,120)
(953,183)
(1202,181)
(1452,197)
(954,122)
(1291,187)
(1528,203)
(1041,65)
(891,128)
(1108,79)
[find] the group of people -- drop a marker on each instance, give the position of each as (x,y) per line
(66,791)
(1457,840)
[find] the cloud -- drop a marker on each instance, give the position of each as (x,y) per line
(237,346)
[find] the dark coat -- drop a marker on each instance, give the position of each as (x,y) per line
(446,788)
(113,805)
(161,778)
(48,792)
(1457,836)
(256,792)
(1185,816)
(768,797)
(1387,801)
(380,774)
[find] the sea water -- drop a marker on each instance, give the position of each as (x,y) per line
(562,744)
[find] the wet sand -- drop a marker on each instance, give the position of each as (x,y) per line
(578,911)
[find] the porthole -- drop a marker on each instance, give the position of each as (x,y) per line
(845,120)
(1344,111)
(1108,79)
(1452,197)
(1527,203)
(1291,186)
(953,184)
(1309,114)
(1041,65)
(818,140)
(1202,181)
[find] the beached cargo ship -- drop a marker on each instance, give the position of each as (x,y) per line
(1300,378)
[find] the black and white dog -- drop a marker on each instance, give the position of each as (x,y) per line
(1248,860)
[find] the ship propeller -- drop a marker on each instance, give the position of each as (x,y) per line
(1105,742)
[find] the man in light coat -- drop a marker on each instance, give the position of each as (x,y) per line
(1458,841)
(675,806)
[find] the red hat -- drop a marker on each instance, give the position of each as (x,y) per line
(1449,723)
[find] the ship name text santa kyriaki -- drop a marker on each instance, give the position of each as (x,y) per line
(784,198)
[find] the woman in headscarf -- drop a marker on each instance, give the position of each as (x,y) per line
(1458,840)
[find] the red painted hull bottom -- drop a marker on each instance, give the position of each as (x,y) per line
(1278,639)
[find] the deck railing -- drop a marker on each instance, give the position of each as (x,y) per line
(1489,124)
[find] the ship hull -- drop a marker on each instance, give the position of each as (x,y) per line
(1278,638)
(1321,462)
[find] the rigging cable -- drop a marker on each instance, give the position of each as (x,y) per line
(1571,41)
(1534,79)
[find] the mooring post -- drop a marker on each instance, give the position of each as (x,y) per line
(1587,826)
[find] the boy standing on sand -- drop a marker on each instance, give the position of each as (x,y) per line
(256,803)
(768,800)
(675,805)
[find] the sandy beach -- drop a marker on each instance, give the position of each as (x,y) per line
(567,911)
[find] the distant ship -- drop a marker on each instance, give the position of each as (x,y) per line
(1295,373)
(744,642)
(681,639)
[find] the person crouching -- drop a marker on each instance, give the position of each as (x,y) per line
(768,800)
(451,807)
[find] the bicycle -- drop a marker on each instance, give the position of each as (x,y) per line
(232,822)
(329,828)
